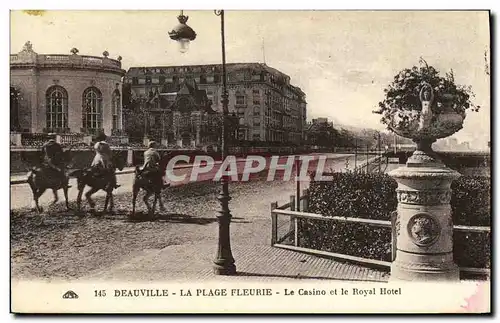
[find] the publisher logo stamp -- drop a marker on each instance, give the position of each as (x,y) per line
(70,295)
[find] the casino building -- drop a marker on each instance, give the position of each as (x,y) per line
(65,94)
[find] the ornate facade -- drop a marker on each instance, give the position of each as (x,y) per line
(65,93)
(181,115)
(267,106)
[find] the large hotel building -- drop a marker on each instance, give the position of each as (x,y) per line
(267,106)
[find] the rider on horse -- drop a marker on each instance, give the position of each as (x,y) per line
(151,168)
(53,156)
(102,162)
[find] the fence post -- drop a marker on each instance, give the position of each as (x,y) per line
(394,234)
(297,180)
(274,224)
(130,157)
(293,220)
(305,200)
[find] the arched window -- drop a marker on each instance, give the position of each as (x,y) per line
(92,109)
(57,108)
(115,108)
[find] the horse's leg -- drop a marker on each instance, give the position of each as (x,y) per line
(36,195)
(81,187)
(33,191)
(162,207)
(65,190)
(111,202)
(56,198)
(154,203)
(135,191)
(88,195)
(106,201)
(146,200)
(160,186)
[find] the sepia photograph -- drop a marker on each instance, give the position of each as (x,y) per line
(250,161)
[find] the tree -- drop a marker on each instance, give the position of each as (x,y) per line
(133,115)
(323,135)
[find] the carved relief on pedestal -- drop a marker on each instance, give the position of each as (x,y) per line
(428,197)
(423,229)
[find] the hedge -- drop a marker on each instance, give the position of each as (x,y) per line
(373,196)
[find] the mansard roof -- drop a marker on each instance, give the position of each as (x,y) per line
(208,68)
(188,88)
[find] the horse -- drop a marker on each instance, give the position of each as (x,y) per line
(96,182)
(41,178)
(151,185)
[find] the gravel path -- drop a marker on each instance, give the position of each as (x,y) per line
(64,246)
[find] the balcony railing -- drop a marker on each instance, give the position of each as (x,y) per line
(91,131)
(34,139)
(71,139)
(70,60)
(118,132)
(56,130)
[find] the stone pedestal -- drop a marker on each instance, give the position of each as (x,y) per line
(130,157)
(424,225)
(87,140)
(16,139)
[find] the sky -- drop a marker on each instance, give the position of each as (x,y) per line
(342,60)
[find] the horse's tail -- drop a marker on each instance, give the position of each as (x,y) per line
(31,177)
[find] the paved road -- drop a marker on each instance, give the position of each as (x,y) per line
(21,195)
(60,244)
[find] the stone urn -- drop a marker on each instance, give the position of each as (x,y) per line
(424,225)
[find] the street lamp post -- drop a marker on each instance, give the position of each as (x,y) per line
(224,261)
(146,117)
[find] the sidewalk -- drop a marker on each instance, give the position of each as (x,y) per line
(193,262)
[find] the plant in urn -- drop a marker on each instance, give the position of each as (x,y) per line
(423,106)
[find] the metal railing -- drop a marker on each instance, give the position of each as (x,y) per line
(289,239)
(70,139)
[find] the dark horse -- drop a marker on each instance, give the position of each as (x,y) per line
(152,184)
(41,178)
(103,181)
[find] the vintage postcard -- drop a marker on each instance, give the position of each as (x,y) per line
(250,161)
